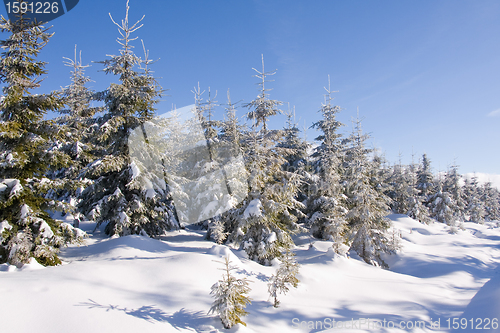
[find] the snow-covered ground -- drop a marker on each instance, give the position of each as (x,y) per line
(137,284)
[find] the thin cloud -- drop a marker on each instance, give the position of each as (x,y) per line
(495,113)
(482,178)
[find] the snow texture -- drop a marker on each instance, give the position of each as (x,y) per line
(253,209)
(138,284)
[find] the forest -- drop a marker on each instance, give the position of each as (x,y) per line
(122,166)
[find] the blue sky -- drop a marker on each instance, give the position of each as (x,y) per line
(425,75)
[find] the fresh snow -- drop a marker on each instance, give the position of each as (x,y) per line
(253,209)
(272,237)
(135,170)
(25,211)
(45,230)
(79,233)
(4,226)
(16,189)
(138,284)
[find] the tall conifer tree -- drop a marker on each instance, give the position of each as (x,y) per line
(263,222)
(416,208)
(425,183)
(474,206)
(25,149)
(78,118)
(326,203)
(491,198)
(125,194)
(367,206)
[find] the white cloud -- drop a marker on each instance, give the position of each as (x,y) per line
(485,177)
(495,113)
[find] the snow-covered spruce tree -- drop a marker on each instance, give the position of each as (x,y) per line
(443,207)
(326,203)
(79,126)
(285,276)
(491,199)
(78,118)
(379,172)
(425,182)
(194,163)
(231,298)
(262,107)
(164,154)
(452,185)
(25,150)
(125,193)
(205,164)
(400,193)
(416,208)
(217,231)
(231,129)
(367,207)
(229,148)
(263,222)
(447,204)
(211,124)
(205,112)
(295,152)
(474,208)
(297,147)
(210,167)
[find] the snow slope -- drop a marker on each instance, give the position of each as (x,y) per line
(138,284)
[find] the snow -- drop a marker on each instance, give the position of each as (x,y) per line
(45,230)
(140,284)
(25,210)
(209,209)
(272,237)
(33,265)
(135,170)
(77,232)
(4,226)
(253,209)
(486,302)
(15,184)
(482,178)
(123,218)
(150,193)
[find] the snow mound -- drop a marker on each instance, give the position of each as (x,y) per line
(224,251)
(332,254)
(127,246)
(253,209)
(139,284)
(33,265)
(313,247)
(220,250)
(241,329)
(7,268)
(486,302)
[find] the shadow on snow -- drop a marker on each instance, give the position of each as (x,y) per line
(182,319)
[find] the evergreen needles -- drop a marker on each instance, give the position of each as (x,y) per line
(285,276)
(25,150)
(231,298)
